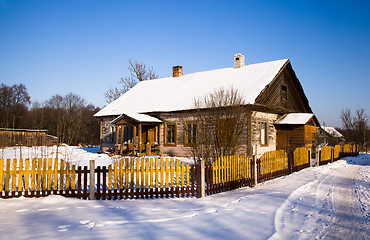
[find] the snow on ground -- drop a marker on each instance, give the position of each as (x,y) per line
(304,205)
(79,156)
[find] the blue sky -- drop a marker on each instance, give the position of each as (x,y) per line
(84,46)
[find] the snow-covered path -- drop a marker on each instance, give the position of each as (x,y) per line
(346,207)
(305,205)
(329,207)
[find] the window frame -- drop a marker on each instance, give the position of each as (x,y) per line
(193,126)
(264,125)
(284,93)
(166,143)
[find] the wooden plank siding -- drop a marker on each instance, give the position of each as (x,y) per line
(296,100)
(295,136)
(25,137)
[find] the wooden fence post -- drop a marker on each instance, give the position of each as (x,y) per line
(202,178)
(255,170)
(332,155)
(317,160)
(92,179)
(290,161)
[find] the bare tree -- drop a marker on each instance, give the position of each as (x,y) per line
(69,118)
(354,127)
(220,121)
(138,72)
(14,101)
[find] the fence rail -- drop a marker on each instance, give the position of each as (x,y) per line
(137,178)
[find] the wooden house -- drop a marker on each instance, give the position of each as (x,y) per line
(329,136)
(147,119)
(26,137)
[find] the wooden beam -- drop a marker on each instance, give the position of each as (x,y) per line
(134,139)
(117,133)
(122,133)
(140,130)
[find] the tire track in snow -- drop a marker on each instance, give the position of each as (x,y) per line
(308,211)
(348,219)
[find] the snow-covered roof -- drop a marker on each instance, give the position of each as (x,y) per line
(295,118)
(332,131)
(173,94)
(139,117)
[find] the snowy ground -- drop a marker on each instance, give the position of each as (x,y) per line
(79,156)
(330,202)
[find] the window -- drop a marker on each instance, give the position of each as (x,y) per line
(170,134)
(284,93)
(190,134)
(128,134)
(112,133)
(264,133)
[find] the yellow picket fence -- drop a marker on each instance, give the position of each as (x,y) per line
(274,161)
(355,149)
(300,156)
(231,168)
(139,175)
(325,154)
(130,177)
(337,151)
(347,149)
(36,177)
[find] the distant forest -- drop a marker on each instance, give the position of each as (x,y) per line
(68,117)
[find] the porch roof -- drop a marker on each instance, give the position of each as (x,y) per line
(137,117)
(295,118)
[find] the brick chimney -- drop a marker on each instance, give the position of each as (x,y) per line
(177,71)
(238,60)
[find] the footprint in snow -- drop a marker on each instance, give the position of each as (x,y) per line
(22,210)
(63,228)
(88,224)
(210,210)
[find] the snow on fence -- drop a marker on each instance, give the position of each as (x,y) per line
(134,178)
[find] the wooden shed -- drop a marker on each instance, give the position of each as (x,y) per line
(25,137)
(296,130)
